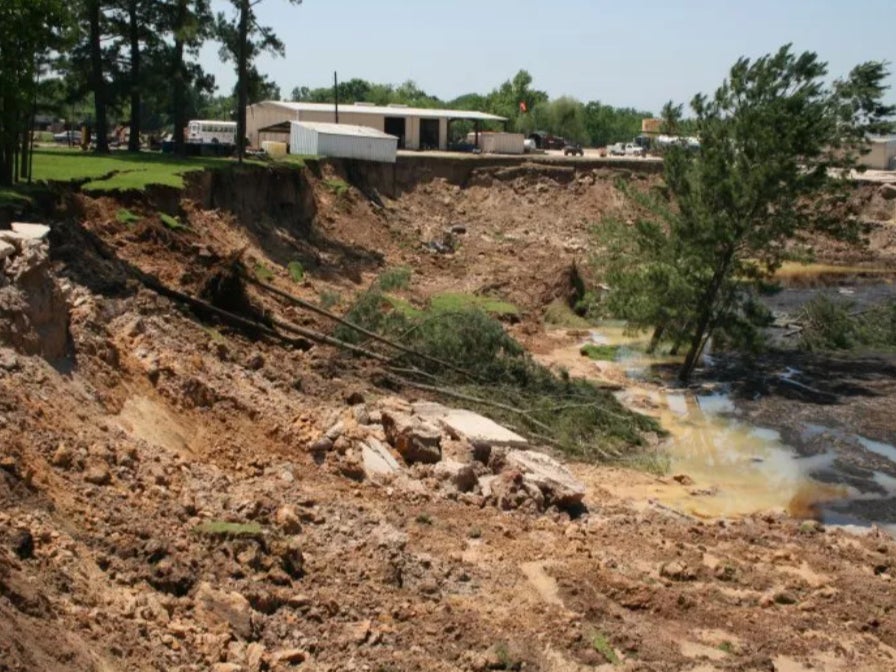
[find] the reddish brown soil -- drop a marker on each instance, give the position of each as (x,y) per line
(157,421)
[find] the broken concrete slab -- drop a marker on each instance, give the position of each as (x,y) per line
(377,459)
(553,479)
(30,231)
(461,475)
(479,429)
(416,439)
(469,425)
(6,250)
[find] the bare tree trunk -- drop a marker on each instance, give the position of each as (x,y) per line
(134,35)
(656,338)
(702,329)
(98,82)
(242,77)
(179,79)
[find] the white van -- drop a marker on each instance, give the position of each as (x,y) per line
(212,132)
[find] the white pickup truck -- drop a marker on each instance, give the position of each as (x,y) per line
(626,149)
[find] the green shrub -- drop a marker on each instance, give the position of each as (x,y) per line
(337,186)
(602,645)
(296,271)
(572,414)
(394,278)
(328,299)
(263,273)
(832,325)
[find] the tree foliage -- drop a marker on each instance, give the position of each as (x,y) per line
(242,40)
(776,143)
(31,30)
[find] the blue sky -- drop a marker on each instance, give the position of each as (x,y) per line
(637,53)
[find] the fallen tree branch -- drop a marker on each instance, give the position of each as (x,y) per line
(225,315)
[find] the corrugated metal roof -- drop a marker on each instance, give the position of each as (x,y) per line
(343,129)
(389,111)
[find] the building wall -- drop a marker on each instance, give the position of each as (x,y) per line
(881,155)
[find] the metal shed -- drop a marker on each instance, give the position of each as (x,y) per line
(415,128)
(344,141)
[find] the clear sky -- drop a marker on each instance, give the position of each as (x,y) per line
(637,53)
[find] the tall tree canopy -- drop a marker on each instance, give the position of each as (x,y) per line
(29,31)
(777,141)
(242,40)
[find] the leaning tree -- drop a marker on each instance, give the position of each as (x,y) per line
(777,143)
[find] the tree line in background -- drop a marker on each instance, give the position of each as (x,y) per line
(131,66)
(527,109)
(102,63)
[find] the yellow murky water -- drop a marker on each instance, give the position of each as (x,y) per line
(735,467)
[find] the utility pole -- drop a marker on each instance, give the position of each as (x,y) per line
(336,95)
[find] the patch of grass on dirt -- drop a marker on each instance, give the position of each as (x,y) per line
(404,307)
(571,414)
(423,519)
(727,647)
(558,314)
(455,302)
(606,353)
(221,529)
(173,223)
(296,271)
(124,216)
(214,334)
(602,645)
(263,273)
(328,299)
(337,186)
(395,278)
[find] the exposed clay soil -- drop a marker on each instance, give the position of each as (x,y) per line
(157,419)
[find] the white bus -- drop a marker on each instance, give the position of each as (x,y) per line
(212,132)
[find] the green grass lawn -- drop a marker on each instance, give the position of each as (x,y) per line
(133,171)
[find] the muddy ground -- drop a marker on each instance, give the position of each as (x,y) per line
(132,426)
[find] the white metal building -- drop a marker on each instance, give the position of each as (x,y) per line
(345,141)
(415,127)
(882,154)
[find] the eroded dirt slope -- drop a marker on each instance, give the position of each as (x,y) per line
(123,459)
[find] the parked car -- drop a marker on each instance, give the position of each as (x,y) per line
(573,149)
(631,149)
(66,137)
(616,150)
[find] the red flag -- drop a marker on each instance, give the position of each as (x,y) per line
(523,106)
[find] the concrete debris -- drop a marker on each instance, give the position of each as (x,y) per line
(31,231)
(461,476)
(377,459)
(471,426)
(6,250)
(414,438)
(553,479)
(888,191)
